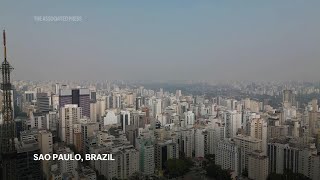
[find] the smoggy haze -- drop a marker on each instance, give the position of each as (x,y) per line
(161,40)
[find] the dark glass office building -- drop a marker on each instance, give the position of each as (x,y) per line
(81,97)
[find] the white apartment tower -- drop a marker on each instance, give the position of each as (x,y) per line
(67,166)
(124,119)
(199,142)
(187,142)
(93,111)
(259,130)
(247,145)
(282,157)
(189,119)
(46,147)
(101,106)
(232,120)
(258,166)
(157,108)
(70,114)
(228,156)
(126,163)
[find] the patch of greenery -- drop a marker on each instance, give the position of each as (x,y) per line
(215,171)
(178,167)
(288,175)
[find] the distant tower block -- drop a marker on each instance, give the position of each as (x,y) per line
(287,98)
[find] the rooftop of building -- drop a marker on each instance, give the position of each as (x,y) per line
(64,150)
(29,132)
(247,138)
(257,154)
(26,146)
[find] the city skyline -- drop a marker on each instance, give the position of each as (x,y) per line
(212,41)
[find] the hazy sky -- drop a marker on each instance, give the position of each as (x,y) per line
(164,39)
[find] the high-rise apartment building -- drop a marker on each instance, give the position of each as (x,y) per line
(199,141)
(93,95)
(70,114)
(116,100)
(227,155)
(52,121)
(232,120)
(87,130)
(145,147)
(189,119)
(258,166)
(67,166)
(126,163)
(124,119)
(93,111)
(29,96)
(186,142)
(163,151)
(247,145)
(288,98)
(156,108)
(101,106)
(45,141)
(138,103)
(259,130)
(283,157)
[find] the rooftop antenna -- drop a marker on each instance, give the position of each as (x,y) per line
(4,45)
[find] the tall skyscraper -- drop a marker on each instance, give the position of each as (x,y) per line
(80,97)
(7,149)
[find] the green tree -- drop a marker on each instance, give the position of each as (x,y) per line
(100,177)
(216,172)
(287,175)
(137,176)
(210,158)
(178,167)
(245,172)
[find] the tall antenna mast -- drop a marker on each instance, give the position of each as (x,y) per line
(7,128)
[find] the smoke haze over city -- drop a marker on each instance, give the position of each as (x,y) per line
(164,40)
